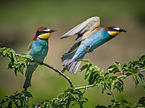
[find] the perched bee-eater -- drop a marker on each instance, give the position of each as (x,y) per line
(38,49)
(89,36)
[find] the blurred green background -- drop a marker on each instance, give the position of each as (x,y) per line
(20,19)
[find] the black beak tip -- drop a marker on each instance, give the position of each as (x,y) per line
(122,30)
(52,31)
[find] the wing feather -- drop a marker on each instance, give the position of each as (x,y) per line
(88,25)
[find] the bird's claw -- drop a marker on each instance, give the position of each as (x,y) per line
(41,63)
(88,49)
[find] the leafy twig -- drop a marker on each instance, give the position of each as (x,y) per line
(83,87)
(54,69)
(92,85)
(112,94)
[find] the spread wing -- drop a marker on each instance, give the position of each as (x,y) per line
(88,25)
(83,30)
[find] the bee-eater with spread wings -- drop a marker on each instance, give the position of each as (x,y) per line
(38,49)
(89,36)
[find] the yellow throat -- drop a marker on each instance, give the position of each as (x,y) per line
(44,36)
(113,33)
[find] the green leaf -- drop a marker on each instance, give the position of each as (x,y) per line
(21,67)
(28,94)
(128,73)
(117,63)
(16,71)
(4,52)
(4,100)
(113,77)
(124,101)
(143,87)
(84,67)
(141,77)
(10,66)
(113,69)
(84,60)
(113,101)
(104,86)
(106,74)
(141,101)
(16,61)
(109,94)
(142,58)
(10,104)
(101,106)
(135,79)
(91,78)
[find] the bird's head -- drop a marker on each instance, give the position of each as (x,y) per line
(114,31)
(43,33)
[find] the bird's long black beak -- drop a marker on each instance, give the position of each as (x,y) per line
(122,30)
(52,31)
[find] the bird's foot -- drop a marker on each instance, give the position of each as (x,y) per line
(32,59)
(41,63)
(25,89)
(88,49)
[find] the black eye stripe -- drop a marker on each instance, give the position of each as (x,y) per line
(114,30)
(42,32)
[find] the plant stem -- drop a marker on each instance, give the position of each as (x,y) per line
(85,87)
(68,103)
(62,74)
(111,93)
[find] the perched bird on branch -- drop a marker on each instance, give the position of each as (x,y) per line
(38,49)
(89,36)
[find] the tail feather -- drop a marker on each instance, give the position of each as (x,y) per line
(29,71)
(70,65)
(74,67)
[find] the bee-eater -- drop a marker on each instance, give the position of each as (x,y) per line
(38,49)
(89,36)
